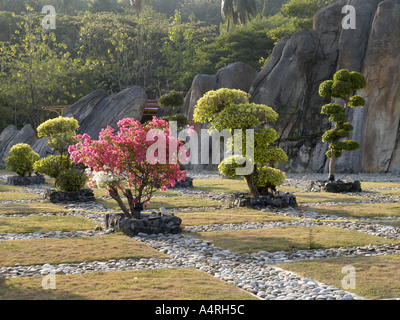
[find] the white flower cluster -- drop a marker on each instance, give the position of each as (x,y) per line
(103,179)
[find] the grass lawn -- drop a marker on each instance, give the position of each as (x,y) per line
(376,277)
(278,239)
(360,210)
(9,188)
(229,186)
(100,192)
(30,208)
(167,202)
(319,197)
(45,224)
(56,251)
(8,196)
(394,192)
(373,185)
(224,216)
(161,284)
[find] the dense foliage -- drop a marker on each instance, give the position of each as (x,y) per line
(61,133)
(230,109)
(159,45)
(21,159)
(342,86)
(126,164)
(172,99)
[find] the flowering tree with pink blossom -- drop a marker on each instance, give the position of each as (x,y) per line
(132,162)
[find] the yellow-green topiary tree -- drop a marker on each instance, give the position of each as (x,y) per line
(230,109)
(61,132)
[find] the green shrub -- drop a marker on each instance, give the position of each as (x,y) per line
(172,99)
(180,119)
(52,165)
(71,179)
(21,159)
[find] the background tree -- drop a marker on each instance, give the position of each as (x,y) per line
(342,87)
(238,11)
(230,109)
(37,71)
(302,11)
(137,5)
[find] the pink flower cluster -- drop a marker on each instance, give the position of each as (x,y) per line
(121,157)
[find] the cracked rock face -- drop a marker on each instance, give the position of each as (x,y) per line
(290,80)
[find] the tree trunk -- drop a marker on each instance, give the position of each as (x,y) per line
(332,167)
(114,194)
(253,188)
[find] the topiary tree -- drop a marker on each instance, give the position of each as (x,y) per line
(230,109)
(173,99)
(179,118)
(21,159)
(61,133)
(342,87)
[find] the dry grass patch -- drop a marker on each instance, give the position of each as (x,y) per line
(222,185)
(373,185)
(101,192)
(161,284)
(45,224)
(56,251)
(8,196)
(168,202)
(284,239)
(30,208)
(321,197)
(225,216)
(393,192)
(376,277)
(360,210)
(9,188)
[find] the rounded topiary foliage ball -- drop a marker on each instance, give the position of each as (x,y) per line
(21,159)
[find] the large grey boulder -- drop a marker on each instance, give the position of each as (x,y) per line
(237,75)
(98,110)
(289,83)
(12,136)
(93,112)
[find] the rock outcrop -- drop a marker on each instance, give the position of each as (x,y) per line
(98,110)
(290,80)
(12,136)
(237,75)
(93,112)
